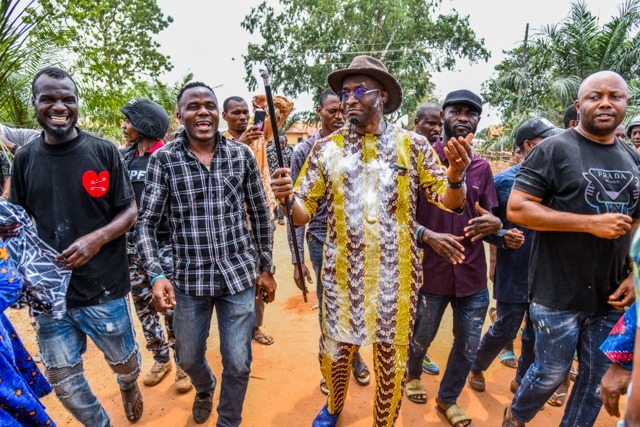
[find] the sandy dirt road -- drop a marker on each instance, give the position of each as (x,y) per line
(283,390)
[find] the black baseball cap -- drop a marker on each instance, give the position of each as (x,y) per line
(534,128)
(463,96)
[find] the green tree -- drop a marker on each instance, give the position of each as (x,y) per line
(111,41)
(542,78)
(304,40)
(100,107)
(108,47)
(20,57)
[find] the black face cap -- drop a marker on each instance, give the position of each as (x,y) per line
(463,96)
(534,128)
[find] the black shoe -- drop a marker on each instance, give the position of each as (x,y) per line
(202,407)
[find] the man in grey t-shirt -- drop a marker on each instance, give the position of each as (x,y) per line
(13,139)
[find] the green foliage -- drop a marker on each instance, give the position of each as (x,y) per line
(100,107)
(107,45)
(111,40)
(559,56)
(20,57)
(304,40)
(14,32)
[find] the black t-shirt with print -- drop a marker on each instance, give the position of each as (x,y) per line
(71,190)
(137,166)
(570,173)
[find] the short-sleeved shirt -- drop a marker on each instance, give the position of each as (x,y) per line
(570,173)
(71,190)
(440,277)
(371,267)
(137,167)
(19,137)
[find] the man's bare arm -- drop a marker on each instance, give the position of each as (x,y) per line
(282,186)
(528,211)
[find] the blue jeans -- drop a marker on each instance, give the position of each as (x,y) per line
(63,342)
(558,333)
(191,323)
(316,248)
(527,353)
(502,332)
(468,318)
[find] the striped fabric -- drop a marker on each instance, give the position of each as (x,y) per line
(371,269)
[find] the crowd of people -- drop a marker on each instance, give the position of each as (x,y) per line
(394,222)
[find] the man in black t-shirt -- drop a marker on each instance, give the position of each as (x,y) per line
(579,191)
(75,187)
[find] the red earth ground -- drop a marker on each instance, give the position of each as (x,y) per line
(283,390)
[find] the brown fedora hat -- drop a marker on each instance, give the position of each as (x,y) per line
(371,67)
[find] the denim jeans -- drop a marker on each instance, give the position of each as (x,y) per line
(191,323)
(316,248)
(527,353)
(468,318)
(502,332)
(278,213)
(558,333)
(63,342)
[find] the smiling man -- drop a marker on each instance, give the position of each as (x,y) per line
(202,183)
(579,191)
(75,187)
(370,172)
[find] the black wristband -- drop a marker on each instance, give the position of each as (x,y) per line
(457,185)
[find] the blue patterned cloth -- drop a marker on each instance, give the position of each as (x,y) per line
(21,382)
(618,347)
(45,282)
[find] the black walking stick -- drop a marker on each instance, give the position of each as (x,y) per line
(264,73)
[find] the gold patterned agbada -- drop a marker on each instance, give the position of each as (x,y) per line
(371,269)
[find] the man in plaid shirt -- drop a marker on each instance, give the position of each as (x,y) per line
(202,183)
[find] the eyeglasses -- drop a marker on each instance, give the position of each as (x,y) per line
(357,94)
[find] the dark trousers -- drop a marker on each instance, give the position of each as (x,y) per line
(501,333)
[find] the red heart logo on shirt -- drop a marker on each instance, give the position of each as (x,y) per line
(96,185)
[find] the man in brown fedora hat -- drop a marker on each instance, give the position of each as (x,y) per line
(370,172)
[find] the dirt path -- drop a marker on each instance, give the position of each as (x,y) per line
(283,391)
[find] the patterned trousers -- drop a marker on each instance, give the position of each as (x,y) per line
(146,311)
(390,366)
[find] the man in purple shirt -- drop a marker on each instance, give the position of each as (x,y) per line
(454,266)
(428,123)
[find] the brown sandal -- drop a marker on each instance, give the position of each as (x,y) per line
(477,384)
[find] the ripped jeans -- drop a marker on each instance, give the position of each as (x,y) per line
(468,318)
(63,342)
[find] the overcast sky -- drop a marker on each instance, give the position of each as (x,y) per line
(207,39)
